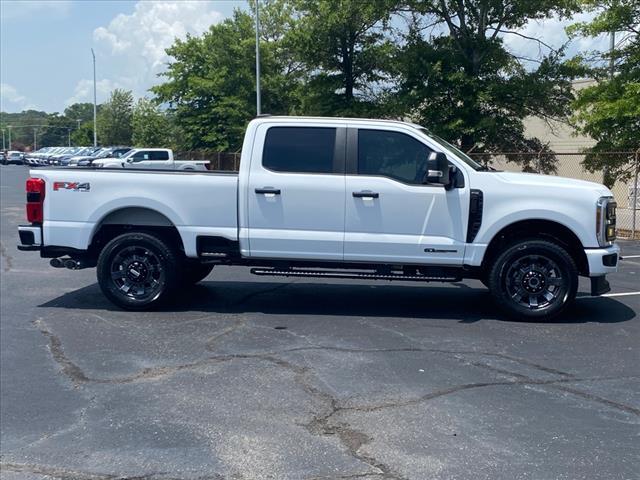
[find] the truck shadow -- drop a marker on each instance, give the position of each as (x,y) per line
(458,302)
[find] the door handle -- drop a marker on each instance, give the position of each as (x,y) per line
(268,190)
(366,194)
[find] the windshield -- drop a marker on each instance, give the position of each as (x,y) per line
(452,149)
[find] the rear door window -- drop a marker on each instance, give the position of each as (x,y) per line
(299,149)
(159,155)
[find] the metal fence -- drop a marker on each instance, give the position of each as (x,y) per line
(567,164)
(227,161)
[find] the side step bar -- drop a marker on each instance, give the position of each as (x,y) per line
(273,272)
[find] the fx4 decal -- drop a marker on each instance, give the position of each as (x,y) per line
(75,186)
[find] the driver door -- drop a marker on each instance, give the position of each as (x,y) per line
(391,215)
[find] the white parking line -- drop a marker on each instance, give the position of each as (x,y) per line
(624,257)
(622,294)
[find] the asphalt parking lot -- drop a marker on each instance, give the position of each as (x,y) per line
(253,378)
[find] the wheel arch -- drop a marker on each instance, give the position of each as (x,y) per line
(541,229)
(133,218)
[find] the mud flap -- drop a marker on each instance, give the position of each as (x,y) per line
(599,285)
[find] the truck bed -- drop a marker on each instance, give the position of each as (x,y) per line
(79,200)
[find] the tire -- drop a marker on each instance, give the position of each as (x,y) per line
(533,280)
(193,272)
(137,271)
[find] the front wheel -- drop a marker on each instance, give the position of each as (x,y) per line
(533,279)
(137,271)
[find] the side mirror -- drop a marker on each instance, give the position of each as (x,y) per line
(438,170)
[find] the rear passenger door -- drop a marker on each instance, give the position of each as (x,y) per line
(295,194)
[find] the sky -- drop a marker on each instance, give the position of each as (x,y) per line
(45,45)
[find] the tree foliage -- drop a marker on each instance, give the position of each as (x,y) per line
(151,126)
(114,119)
(210,85)
(609,111)
(80,111)
(344,48)
(462,81)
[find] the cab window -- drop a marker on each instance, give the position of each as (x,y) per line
(392,154)
(299,149)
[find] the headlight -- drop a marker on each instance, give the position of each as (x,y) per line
(606,221)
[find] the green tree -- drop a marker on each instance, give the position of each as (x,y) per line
(609,111)
(56,131)
(210,82)
(114,119)
(464,83)
(82,135)
(151,126)
(22,125)
(345,50)
(80,111)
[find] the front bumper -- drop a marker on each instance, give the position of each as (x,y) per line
(602,260)
(30,237)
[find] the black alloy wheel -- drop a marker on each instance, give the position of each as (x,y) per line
(137,270)
(533,279)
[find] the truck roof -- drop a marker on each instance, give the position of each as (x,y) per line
(302,119)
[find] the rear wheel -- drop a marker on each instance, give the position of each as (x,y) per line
(137,271)
(533,279)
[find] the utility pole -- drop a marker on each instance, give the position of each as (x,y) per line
(4,147)
(258,99)
(9,128)
(35,139)
(612,46)
(69,136)
(95,107)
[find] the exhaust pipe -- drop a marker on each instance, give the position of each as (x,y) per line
(72,264)
(56,263)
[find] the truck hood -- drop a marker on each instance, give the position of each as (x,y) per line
(537,180)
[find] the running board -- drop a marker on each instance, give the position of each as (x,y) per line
(272,272)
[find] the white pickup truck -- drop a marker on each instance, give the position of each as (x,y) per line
(150,158)
(329,198)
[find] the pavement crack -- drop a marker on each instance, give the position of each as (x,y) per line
(77,375)
(8,259)
(54,472)
(521,380)
(598,399)
(211,341)
(67,474)
(68,368)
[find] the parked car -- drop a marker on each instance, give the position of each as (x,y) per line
(38,158)
(330,198)
(151,158)
(66,157)
(107,152)
(3,158)
(62,154)
(15,158)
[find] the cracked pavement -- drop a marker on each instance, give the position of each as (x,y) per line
(253,378)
